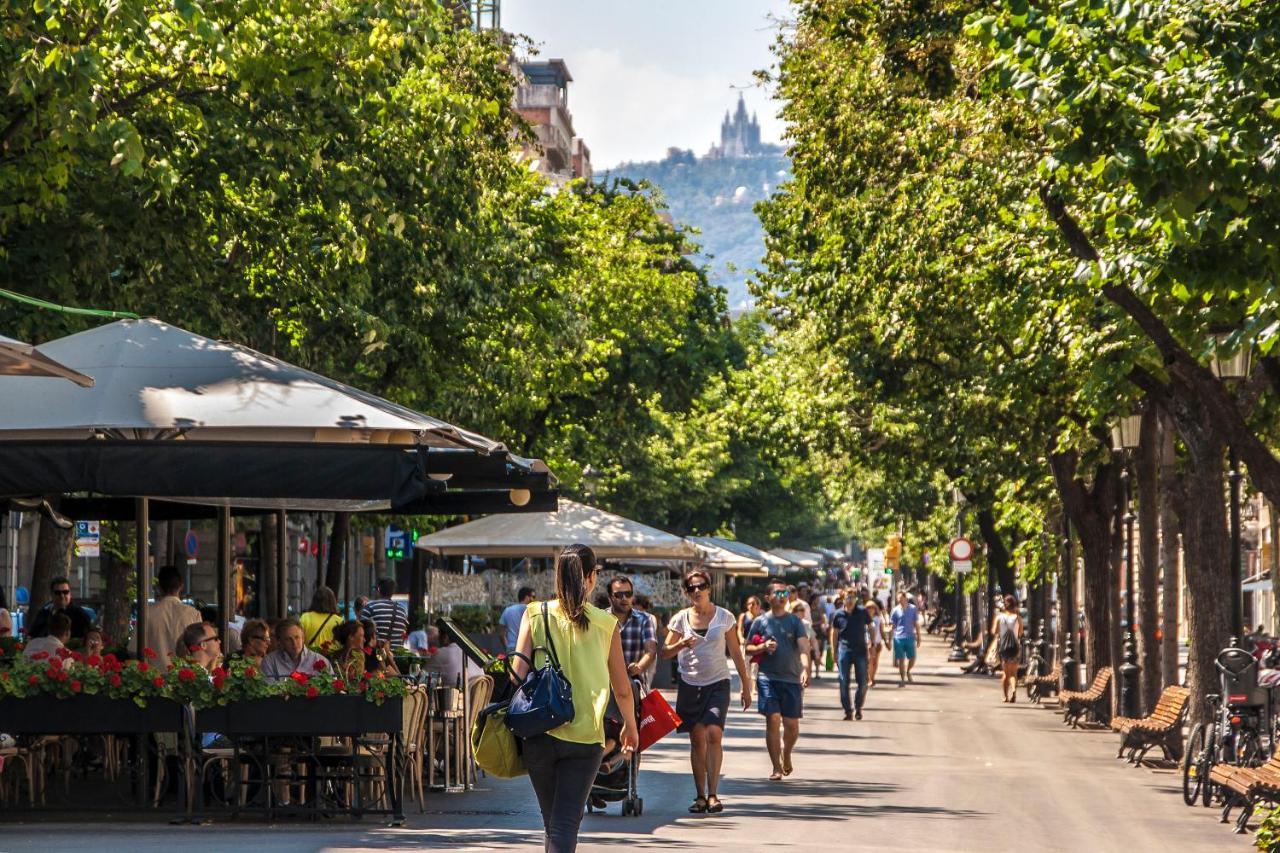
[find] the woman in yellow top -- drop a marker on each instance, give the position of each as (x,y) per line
(563,762)
(319,620)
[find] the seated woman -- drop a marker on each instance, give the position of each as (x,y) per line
(349,659)
(377,653)
(255,642)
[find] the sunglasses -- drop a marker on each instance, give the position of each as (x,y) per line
(62,592)
(212,639)
(622,593)
(697,587)
(779,593)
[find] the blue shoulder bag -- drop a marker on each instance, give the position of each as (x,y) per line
(545,700)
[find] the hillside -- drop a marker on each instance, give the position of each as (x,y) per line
(717,197)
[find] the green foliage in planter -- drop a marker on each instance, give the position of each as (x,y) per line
(1268,837)
(472,619)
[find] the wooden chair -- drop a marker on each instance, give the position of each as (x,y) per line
(1246,786)
(1093,701)
(478,693)
(1162,727)
(1041,686)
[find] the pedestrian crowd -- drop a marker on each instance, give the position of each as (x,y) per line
(608,650)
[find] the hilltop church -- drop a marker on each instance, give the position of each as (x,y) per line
(739,135)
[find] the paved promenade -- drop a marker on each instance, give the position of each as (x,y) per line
(938,765)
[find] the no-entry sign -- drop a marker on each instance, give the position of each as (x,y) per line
(961,555)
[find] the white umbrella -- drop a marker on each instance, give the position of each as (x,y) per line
(19,359)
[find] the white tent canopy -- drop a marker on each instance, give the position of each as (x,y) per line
(722,559)
(19,359)
(545,534)
(770,561)
(803,559)
(154,380)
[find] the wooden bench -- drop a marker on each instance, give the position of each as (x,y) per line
(1246,786)
(1162,727)
(1094,701)
(1040,686)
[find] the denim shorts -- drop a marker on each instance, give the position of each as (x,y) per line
(779,697)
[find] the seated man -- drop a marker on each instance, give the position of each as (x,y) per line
(292,655)
(448,659)
(59,628)
(201,645)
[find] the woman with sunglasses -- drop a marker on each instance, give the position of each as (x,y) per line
(701,634)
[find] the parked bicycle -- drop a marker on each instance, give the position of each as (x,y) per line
(1240,729)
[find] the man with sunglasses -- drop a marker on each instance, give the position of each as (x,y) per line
(639,645)
(61,603)
(783,674)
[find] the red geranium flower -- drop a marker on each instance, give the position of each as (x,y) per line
(75,686)
(319,665)
(33,680)
(109,659)
(115,681)
(431,650)
(143,666)
(339,684)
(368,676)
(219,672)
(40,656)
(312,693)
(64,653)
(77,657)
(157,682)
(94,660)
(501,655)
(148,653)
(298,677)
(381,695)
(250,672)
(186,674)
(218,681)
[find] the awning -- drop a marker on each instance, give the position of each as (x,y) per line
(722,559)
(545,534)
(19,359)
(772,563)
(803,559)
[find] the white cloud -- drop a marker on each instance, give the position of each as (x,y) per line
(635,112)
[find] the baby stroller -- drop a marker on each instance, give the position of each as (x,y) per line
(616,781)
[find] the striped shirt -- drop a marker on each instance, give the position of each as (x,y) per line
(392,621)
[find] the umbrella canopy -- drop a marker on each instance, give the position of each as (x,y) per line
(547,533)
(19,359)
(803,559)
(154,380)
(173,414)
(771,562)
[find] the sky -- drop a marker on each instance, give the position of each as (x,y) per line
(650,75)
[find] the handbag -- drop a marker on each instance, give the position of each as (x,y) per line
(496,749)
(545,700)
(657,719)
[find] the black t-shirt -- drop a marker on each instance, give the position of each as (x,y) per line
(851,629)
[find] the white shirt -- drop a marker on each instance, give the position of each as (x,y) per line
(48,645)
(705,662)
(448,661)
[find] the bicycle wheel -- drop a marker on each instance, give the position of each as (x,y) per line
(1193,779)
(1210,757)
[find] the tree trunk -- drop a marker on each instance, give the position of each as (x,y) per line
(1148,559)
(338,536)
(1207,549)
(53,559)
(997,552)
(1171,599)
(1273,565)
(118,577)
(1115,602)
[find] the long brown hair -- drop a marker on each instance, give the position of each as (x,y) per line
(573,566)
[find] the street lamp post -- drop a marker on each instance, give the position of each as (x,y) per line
(1125,435)
(1067,609)
(1233,365)
(958,654)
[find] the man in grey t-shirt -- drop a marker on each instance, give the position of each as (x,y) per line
(510,618)
(783,674)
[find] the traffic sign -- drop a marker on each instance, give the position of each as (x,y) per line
(87,539)
(396,542)
(961,566)
(961,549)
(190,544)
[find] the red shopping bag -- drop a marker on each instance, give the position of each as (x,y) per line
(657,719)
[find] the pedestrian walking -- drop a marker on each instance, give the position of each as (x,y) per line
(701,636)
(1008,636)
(511,616)
(818,624)
(639,645)
(563,762)
(783,674)
(875,634)
(906,634)
(850,642)
(751,608)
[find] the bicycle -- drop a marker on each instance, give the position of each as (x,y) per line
(1238,731)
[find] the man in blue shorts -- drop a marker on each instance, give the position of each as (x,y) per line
(781,638)
(906,634)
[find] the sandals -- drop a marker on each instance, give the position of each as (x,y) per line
(714,806)
(787,769)
(775,776)
(699,806)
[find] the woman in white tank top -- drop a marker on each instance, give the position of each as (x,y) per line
(1008,635)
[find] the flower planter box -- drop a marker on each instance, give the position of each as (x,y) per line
(50,715)
(323,715)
